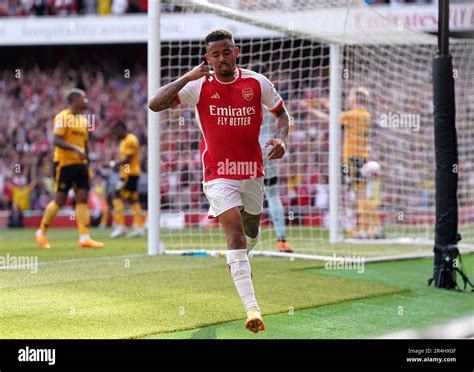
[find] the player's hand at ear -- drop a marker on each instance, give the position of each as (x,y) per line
(198,72)
(278,150)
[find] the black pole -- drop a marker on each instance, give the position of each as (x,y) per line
(446,153)
(443,27)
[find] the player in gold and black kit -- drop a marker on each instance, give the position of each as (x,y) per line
(126,189)
(71,133)
(356,123)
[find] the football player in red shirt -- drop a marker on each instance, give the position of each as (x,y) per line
(229,104)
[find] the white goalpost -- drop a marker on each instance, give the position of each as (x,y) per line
(334,142)
(154,75)
(317,53)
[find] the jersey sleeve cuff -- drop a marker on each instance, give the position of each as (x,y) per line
(178,101)
(276,108)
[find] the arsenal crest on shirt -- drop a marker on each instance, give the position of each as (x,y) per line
(247,93)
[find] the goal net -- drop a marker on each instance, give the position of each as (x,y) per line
(320,55)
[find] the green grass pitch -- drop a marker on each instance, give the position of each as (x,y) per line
(120,292)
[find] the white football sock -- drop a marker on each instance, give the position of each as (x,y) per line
(239,264)
(83,237)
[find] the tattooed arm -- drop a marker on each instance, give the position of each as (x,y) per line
(279,142)
(165,97)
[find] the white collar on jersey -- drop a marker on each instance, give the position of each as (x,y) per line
(237,74)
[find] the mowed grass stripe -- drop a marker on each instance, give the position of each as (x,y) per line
(107,299)
(64,243)
(364,318)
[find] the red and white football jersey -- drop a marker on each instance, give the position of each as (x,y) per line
(229,116)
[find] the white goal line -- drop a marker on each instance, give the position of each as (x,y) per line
(337,258)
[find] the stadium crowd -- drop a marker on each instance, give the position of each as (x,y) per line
(30,97)
(116,89)
(70,7)
(28,103)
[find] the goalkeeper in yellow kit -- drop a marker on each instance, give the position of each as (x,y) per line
(356,123)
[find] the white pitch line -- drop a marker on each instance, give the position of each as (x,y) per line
(350,258)
(264,254)
(52,262)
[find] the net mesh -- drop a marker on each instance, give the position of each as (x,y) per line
(402,138)
(391,63)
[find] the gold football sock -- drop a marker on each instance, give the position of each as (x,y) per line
(137,215)
(375,218)
(82,218)
(48,216)
(363,215)
(105,216)
(119,217)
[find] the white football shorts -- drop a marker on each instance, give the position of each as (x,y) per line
(224,194)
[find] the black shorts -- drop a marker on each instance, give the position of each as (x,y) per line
(270,181)
(130,183)
(67,176)
(125,186)
(353,174)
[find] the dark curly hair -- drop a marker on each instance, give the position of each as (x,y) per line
(217,35)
